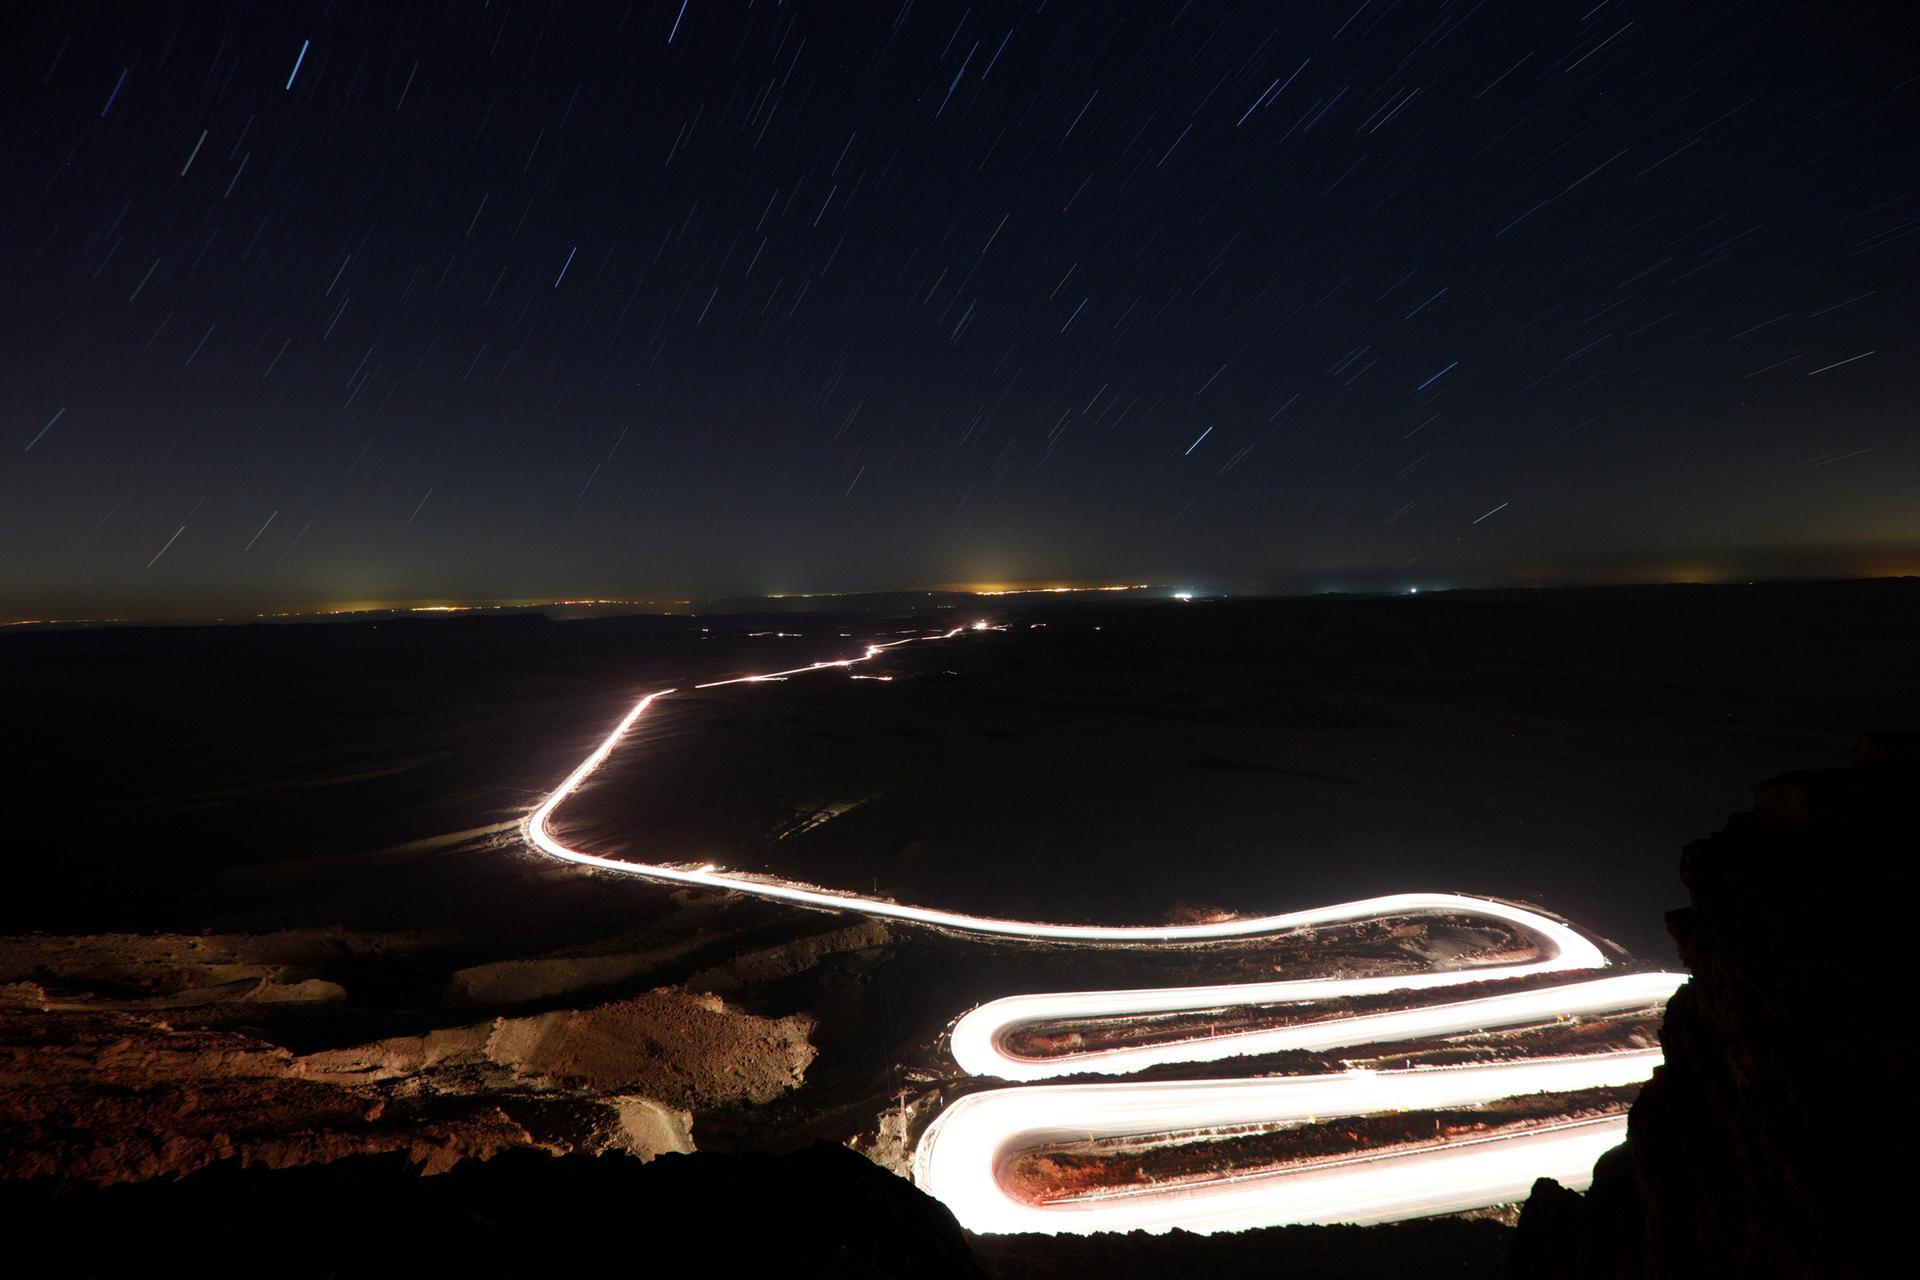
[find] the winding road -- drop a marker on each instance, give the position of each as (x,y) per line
(960,1156)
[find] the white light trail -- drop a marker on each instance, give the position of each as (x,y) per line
(191,154)
(163,550)
(979,1037)
(58,414)
(1837,363)
(959,1157)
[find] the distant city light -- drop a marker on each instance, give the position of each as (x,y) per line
(1183,595)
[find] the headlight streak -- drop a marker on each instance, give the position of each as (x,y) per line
(979,1036)
(959,1156)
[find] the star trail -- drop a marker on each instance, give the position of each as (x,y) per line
(313,303)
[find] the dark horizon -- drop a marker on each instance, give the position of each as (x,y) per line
(1895,566)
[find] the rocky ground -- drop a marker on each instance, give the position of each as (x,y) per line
(231,1085)
(272,930)
(725,1024)
(130,1057)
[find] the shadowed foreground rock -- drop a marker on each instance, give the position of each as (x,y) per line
(1774,1141)
(822,1211)
(1442,1247)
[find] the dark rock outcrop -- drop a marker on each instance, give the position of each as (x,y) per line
(1774,1141)
(822,1211)
(1431,1249)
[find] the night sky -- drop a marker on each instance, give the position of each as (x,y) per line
(313,304)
